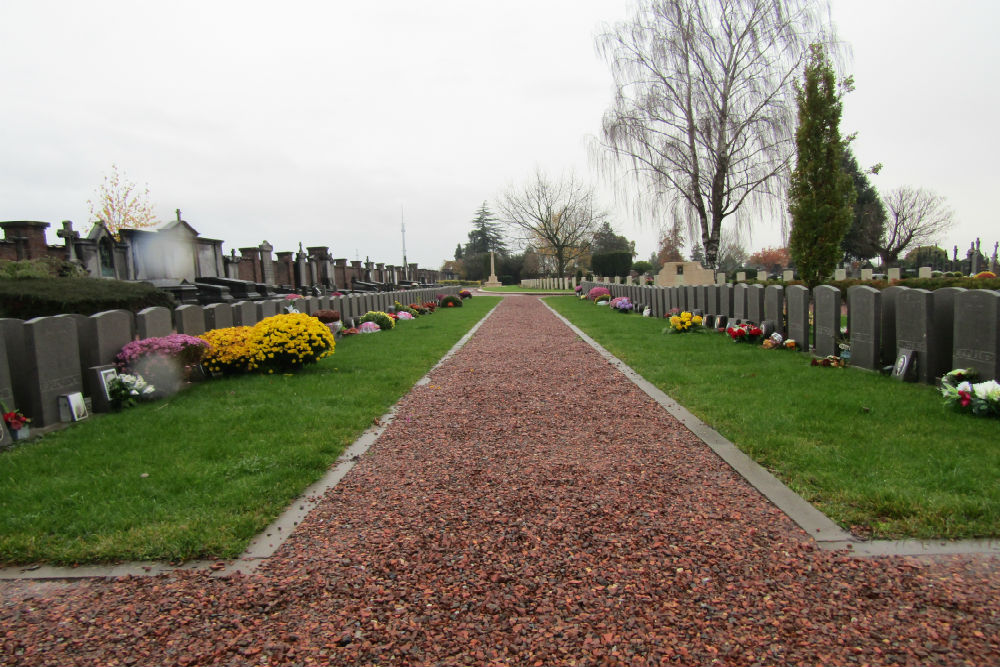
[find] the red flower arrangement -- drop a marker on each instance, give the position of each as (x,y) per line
(15,420)
(744,333)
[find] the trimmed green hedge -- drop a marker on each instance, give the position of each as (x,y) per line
(25,298)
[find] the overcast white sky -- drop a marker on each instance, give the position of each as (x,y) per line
(318,121)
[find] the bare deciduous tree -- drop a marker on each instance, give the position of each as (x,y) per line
(703,113)
(558,218)
(916,217)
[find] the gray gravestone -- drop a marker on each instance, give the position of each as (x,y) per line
(726,295)
(337,304)
(944,328)
(977,333)
(244,314)
(218,316)
(701,297)
(774,307)
(755,303)
(788,275)
(797,297)
(189,319)
(720,278)
(153,322)
(840,274)
(740,301)
(265,309)
(102,337)
(915,316)
(741,276)
(12,338)
(324,302)
(889,295)
(761,275)
(864,308)
(6,386)
(712,300)
(53,362)
(689,298)
(866,274)
(893,274)
(826,319)
(925,272)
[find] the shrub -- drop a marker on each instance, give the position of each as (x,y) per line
(187,350)
(465,294)
(279,343)
(418,309)
(622,304)
(683,321)
(400,308)
(327,316)
(383,320)
(450,301)
(231,350)
(431,306)
(45,267)
(162,360)
(25,298)
(598,291)
(289,341)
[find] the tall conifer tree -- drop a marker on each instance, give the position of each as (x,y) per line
(821,197)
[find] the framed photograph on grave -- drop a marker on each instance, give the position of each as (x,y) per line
(905,368)
(107,375)
(72,407)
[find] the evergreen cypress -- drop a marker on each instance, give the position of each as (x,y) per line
(821,197)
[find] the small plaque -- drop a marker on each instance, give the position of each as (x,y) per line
(107,375)
(905,368)
(72,407)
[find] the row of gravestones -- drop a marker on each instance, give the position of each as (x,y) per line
(46,357)
(937,331)
(549,283)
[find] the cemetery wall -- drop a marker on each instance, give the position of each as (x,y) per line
(937,331)
(175,252)
(44,358)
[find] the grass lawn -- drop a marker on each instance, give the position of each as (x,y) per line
(865,449)
(199,474)
(518,288)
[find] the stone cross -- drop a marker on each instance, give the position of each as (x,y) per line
(179,216)
(70,237)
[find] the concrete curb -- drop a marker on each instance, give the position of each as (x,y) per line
(827,534)
(265,543)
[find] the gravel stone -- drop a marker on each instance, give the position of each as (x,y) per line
(528,506)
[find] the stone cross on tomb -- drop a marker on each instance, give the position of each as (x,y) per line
(69,235)
(179,216)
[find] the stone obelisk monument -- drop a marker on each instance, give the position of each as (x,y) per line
(492,282)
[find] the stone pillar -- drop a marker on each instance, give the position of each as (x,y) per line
(266,263)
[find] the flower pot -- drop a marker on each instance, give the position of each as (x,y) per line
(22,433)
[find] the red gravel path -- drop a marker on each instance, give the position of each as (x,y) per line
(531,507)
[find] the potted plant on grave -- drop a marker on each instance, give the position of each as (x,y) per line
(17,423)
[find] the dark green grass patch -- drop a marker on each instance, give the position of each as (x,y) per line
(199,474)
(872,453)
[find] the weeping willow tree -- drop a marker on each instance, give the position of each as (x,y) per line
(704,115)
